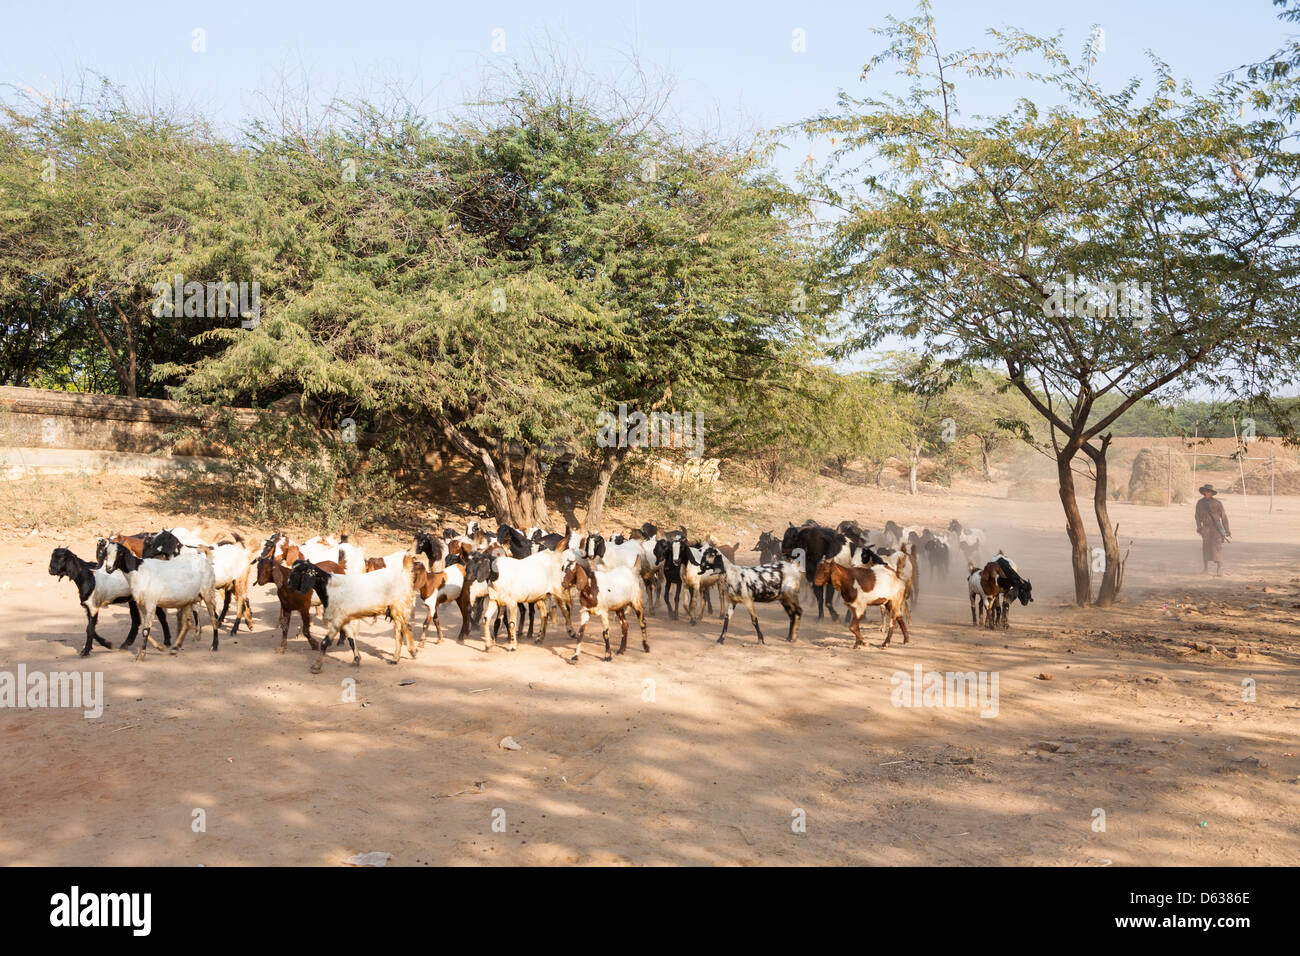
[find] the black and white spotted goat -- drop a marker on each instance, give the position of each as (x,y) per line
(763,584)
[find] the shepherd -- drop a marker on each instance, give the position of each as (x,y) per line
(1212,526)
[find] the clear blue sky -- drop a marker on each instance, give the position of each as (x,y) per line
(731,61)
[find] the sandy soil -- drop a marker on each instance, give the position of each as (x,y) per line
(696,753)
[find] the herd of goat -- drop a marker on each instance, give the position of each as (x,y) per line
(495,576)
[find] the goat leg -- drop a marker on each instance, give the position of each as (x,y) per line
(92,636)
(221,618)
(147,639)
(726,622)
(135,628)
(324,646)
(211,605)
(513,622)
(352,645)
(902,626)
(462,602)
(546,617)
(489,636)
(622,619)
(582,630)
(795,612)
(855,625)
(305,614)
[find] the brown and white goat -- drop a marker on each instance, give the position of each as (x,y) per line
(601,592)
(861,588)
(271,571)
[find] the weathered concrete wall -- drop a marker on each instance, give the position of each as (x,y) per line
(16,463)
(37,418)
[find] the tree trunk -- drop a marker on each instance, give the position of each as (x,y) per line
(1074,526)
(532,491)
(498,493)
(125,375)
(988,465)
(613,457)
(132,350)
(914,462)
(1110,585)
(502,460)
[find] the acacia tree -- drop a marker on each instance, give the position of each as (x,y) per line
(100,202)
(673,269)
(781,424)
(986,410)
(502,279)
(929,411)
(866,420)
(103,202)
(1027,240)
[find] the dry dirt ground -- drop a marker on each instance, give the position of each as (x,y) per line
(696,753)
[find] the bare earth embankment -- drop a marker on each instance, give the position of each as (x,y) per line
(694,753)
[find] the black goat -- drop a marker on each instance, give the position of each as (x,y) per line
(671,552)
(97,588)
(768,548)
(817,542)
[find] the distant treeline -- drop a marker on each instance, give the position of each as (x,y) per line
(1204,419)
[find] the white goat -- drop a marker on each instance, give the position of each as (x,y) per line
(626,554)
(698,580)
(354,554)
(179,582)
(231,563)
(346,597)
(191,539)
(969,540)
(515,581)
(980,603)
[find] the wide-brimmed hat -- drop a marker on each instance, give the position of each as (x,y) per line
(1209,488)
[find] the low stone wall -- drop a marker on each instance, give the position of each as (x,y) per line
(37,418)
(17,463)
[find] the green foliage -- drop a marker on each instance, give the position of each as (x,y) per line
(498,280)
(1128,243)
(98,203)
(284,470)
(956,232)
